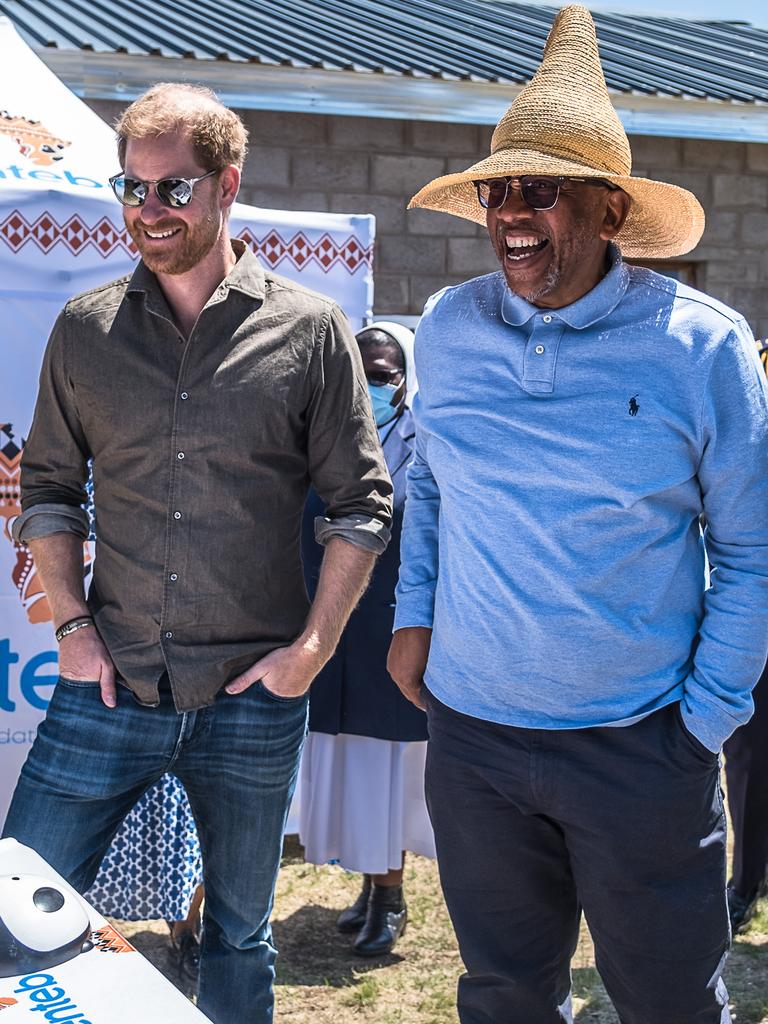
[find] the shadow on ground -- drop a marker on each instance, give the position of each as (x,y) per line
(154,945)
(744,975)
(313,952)
(320,980)
(587,986)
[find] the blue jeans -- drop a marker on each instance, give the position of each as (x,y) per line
(237,760)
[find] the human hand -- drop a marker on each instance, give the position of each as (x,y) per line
(84,658)
(285,672)
(407,661)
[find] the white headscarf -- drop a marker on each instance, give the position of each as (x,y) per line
(404,339)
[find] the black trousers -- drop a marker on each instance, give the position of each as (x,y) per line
(532,826)
(746,772)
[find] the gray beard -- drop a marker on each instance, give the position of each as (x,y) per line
(547,286)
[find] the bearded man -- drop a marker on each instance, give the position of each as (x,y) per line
(209,393)
(580,675)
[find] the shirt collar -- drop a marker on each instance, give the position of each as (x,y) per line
(247,276)
(587,310)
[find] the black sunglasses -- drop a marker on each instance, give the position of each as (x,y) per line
(173,192)
(538,192)
(384,376)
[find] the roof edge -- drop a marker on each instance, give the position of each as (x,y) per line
(249,86)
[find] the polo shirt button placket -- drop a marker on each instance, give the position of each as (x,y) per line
(541,355)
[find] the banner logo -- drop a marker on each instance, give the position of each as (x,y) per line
(34,140)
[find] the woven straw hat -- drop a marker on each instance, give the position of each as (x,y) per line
(563,122)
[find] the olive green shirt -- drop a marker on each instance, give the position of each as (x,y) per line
(203,452)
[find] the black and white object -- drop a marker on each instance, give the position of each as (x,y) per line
(41,925)
(72,626)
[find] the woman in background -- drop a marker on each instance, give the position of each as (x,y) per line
(153,869)
(362,771)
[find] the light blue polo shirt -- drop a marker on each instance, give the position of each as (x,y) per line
(551,534)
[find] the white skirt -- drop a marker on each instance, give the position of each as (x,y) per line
(360,801)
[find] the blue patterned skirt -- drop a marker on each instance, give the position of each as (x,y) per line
(154,865)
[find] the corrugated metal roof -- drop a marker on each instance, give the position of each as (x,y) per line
(455,40)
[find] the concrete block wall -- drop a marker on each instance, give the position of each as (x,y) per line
(730,179)
(367,165)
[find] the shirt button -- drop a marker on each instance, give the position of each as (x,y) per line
(169,635)
(184,396)
(539,350)
(179,455)
(174,576)
(547,319)
(177,515)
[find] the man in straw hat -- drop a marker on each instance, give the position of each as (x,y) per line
(577,417)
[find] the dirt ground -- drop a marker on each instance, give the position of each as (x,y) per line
(320,981)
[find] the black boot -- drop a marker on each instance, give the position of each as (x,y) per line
(741,909)
(185,952)
(384,922)
(353,918)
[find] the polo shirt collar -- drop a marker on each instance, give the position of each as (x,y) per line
(587,310)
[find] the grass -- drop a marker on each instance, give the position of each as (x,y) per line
(320,981)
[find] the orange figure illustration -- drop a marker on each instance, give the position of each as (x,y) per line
(34,140)
(24,573)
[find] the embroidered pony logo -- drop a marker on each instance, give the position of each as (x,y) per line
(34,140)
(634,408)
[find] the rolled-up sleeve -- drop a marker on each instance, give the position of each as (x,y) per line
(733,475)
(363,531)
(346,463)
(54,464)
(45,519)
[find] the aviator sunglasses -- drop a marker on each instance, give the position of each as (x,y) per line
(540,193)
(173,192)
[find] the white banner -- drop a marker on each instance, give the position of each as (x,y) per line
(61,232)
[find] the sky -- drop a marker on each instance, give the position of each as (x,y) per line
(754,11)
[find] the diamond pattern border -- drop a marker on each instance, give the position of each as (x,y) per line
(326,252)
(74,234)
(46,233)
